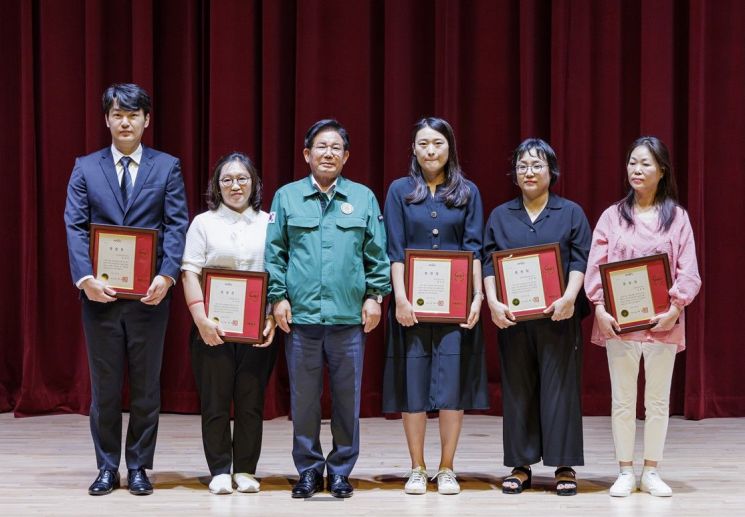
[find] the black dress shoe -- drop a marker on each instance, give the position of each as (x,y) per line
(138,482)
(106,481)
(309,483)
(339,486)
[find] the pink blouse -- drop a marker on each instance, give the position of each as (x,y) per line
(614,240)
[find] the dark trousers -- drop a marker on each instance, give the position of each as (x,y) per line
(342,347)
(541,379)
(231,373)
(124,333)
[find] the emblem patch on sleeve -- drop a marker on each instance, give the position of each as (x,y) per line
(272,217)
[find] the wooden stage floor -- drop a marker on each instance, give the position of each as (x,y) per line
(48,463)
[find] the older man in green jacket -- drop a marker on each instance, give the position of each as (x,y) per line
(328,271)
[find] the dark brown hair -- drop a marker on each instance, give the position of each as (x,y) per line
(666,197)
(214,194)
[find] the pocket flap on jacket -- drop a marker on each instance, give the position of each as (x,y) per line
(303,222)
(350,222)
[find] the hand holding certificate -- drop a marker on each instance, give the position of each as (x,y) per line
(439,284)
(236,301)
(123,258)
(636,290)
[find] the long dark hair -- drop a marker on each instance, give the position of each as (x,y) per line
(214,194)
(456,193)
(666,197)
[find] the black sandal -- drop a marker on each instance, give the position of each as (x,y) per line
(512,478)
(569,480)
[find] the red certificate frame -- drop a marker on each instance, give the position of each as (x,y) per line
(551,281)
(459,285)
(129,252)
(656,270)
(242,296)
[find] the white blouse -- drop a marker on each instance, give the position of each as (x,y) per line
(226,239)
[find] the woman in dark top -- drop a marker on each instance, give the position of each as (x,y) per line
(541,359)
(433,366)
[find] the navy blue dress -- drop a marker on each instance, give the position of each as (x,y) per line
(541,360)
(432,366)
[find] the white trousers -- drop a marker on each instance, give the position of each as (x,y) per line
(623,362)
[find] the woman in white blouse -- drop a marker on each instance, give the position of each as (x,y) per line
(229,235)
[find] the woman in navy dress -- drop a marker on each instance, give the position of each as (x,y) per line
(433,366)
(541,359)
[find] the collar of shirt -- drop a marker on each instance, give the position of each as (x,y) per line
(134,166)
(248,215)
(554,203)
(330,192)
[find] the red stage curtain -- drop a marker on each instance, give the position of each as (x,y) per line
(229,75)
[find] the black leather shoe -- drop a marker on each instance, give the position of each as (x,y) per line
(106,481)
(339,486)
(309,483)
(138,482)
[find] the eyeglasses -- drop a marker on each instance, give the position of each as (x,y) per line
(241,180)
(335,149)
(536,168)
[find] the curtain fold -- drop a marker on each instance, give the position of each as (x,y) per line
(252,76)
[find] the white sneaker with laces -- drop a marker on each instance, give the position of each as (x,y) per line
(246,483)
(417,483)
(221,484)
(624,485)
(446,482)
(653,484)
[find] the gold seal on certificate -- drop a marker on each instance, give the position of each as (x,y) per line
(123,257)
(529,279)
(636,290)
(236,300)
(439,284)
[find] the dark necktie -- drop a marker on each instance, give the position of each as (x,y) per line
(126,185)
(324,198)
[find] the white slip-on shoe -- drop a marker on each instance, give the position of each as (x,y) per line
(624,485)
(417,482)
(652,483)
(446,482)
(246,483)
(221,484)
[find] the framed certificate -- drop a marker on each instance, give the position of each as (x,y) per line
(236,300)
(529,279)
(636,290)
(123,257)
(439,284)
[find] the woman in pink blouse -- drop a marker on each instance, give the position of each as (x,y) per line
(647,221)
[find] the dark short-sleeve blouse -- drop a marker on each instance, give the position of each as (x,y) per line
(430,223)
(562,221)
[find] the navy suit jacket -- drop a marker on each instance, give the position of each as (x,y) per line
(158,201)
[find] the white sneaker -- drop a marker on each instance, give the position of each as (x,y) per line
(624,485)
(446,482)
(652,483)
(221,484)
(246,483)
(417,483)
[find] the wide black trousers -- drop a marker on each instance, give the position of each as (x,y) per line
(231,373)
(541,364)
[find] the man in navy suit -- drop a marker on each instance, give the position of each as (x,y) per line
(125,184)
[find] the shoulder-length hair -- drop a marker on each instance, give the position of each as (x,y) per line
(456,192)
(666,197)
(543,151)
(214,193)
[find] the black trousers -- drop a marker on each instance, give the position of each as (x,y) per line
(231,373)
(125,334)
(541,364)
